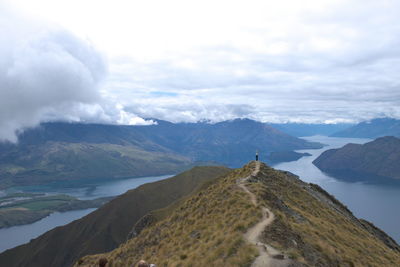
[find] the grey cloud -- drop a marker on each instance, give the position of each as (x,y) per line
(355,79)
(192,112)
(43,71)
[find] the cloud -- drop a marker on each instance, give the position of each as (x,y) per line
(303,61)
(47,73)
(327,61)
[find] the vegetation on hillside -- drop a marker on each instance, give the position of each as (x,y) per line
(109,226)
(206,229)
(51,161)
(21,208)
(376,161)
(68,151)
(316,229)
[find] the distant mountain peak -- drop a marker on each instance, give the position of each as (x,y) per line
(372,129)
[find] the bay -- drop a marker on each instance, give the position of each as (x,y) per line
(18,235)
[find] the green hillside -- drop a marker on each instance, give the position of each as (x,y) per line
(307,227)
(108,226)
(70,151)
(24,208)
(36,164)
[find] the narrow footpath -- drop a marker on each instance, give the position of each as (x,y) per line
(268,256)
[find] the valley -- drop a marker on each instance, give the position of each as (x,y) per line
(26,208)
(56,152)
(199,133)
(84,191)
(354,195)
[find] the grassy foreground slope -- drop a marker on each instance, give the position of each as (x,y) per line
(109,226)
(311,228)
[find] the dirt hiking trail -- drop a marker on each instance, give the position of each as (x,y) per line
(268,256)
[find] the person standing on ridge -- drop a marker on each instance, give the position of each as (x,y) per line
(256,155)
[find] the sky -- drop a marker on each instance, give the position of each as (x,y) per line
(122,62)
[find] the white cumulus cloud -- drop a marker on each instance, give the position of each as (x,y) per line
(47,73)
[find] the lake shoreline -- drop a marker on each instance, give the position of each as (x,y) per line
(13,236)
(27,208)
(376,203)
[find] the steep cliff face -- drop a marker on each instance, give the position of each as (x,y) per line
(375,161)
(255,215)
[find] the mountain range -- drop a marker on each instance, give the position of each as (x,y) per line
(375,161)
(59,151)
(309,129)
(372,129)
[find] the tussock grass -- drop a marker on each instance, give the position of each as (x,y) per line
(205,229)
(317,230)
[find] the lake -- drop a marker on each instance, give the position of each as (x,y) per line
(18,235)
(378,204)
(88,189)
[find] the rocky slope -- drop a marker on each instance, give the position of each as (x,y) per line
(109,226)
(376,161)
(215,227)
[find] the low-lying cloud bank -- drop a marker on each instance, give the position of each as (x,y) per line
(47,73)
(43,70)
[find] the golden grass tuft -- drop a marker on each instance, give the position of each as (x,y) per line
(206,229)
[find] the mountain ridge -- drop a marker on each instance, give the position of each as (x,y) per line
(374,128)
(310,129)
(62,151)
(375,161)
(108,226)
(310,228)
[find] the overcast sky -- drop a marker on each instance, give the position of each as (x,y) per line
(121,61)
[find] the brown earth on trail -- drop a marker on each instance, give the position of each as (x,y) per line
(256,216)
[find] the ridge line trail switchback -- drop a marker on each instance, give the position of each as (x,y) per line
(267,254)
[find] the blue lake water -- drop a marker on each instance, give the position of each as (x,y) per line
(18,235)
(379,204)
(88,189)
